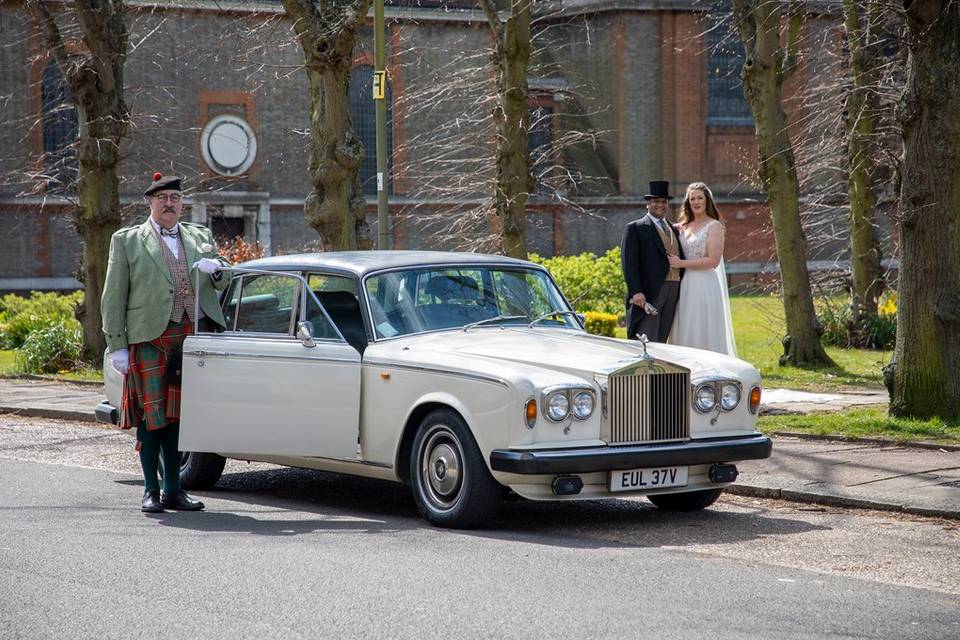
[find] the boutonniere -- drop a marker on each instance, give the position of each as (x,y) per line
(206,247)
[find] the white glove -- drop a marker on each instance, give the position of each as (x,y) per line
(120,360)
(207,265)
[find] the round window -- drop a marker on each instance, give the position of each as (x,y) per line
(229,145)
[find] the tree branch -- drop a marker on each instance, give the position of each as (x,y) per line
(493,19)
(795,14)
(51,33)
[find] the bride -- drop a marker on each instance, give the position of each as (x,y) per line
(703,310)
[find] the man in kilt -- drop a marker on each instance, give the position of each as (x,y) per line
(148,308)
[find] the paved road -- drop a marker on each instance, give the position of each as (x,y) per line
(293,553)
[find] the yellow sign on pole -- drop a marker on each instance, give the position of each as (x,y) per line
(379,85)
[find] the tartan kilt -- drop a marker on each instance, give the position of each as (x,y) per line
(147,397)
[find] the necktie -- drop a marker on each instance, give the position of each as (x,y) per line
(172,233)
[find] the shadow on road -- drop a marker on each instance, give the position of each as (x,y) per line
(376,506)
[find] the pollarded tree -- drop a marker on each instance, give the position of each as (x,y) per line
(927,356)
(770,32)
(512,118)
(335,207)
(94,74)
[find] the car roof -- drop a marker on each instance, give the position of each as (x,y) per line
(360,263)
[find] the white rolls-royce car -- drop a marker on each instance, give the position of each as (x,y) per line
(462,375)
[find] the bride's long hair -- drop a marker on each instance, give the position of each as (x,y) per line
(686,213)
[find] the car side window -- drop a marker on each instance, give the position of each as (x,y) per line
(263,304)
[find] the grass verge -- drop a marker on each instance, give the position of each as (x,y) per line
(758,326)
(863,423)
(8,369)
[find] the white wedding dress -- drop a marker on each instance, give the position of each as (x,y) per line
(703,310)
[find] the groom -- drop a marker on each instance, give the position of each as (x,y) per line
(652,286)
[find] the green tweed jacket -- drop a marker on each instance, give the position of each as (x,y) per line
(138,292)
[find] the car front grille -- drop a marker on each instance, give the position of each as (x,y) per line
(649,407)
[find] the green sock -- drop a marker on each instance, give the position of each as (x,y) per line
(171,457)
(149,456)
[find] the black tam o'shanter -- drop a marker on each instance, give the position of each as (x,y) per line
(163,183)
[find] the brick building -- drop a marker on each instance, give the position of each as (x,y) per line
(217,96)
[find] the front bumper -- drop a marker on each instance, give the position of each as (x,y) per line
(106,412)
(563,461)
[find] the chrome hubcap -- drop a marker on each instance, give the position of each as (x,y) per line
(441,468)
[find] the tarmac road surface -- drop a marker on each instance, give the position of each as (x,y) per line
(292,553)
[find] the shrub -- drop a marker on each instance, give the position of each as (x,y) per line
(51,349)
(601,324)
(836,320)
(590,282)
(239,250)
(19,316)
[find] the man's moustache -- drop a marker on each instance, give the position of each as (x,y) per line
(169,210)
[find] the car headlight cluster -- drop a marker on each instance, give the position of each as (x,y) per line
(707,395)
(560,402)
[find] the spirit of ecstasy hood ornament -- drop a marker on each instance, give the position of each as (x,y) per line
(643,342)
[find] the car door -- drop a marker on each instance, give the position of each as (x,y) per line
(258,388)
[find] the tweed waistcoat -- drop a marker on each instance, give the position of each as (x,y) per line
(670,244)
(183,296)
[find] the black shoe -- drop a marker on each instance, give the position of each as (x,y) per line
(151,502)
(180,501)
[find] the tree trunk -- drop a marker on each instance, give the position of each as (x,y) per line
(927,356)
(862,109)
(335,206)
(512,118)
(759,23)
(95,78)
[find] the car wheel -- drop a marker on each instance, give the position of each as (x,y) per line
(200,470)
(451,483)
(688,501)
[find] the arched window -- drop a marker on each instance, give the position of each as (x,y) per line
(363,115)
(60,130)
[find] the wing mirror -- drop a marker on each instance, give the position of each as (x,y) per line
(305,333)
(582,317)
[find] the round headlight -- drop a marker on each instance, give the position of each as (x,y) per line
(558,406)
(730,396)
(706,398)
(583,405)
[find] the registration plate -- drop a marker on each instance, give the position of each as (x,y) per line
(655,478)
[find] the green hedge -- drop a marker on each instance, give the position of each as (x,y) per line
(51,349)
(590,282)
(20,316)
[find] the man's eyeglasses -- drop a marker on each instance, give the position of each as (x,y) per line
(172,198)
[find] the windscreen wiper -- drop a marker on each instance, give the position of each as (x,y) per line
(493,319)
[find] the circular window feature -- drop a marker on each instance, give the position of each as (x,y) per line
(229,145)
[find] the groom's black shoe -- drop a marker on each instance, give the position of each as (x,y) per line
(180,501)
(151,502)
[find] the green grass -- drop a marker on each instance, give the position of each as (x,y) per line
(758,326)
(86,374)
(866,422)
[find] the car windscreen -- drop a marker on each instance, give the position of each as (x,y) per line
(429,299)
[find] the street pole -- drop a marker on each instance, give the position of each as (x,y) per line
(380,101)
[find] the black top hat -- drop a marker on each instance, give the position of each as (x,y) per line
(658,189)
(163,183)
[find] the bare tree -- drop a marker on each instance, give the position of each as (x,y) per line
(927,357)
(448,105)
(762,26)
(335,207)
(511,115)
(94,75)
(862,21)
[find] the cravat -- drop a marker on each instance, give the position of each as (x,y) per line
(172,233)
